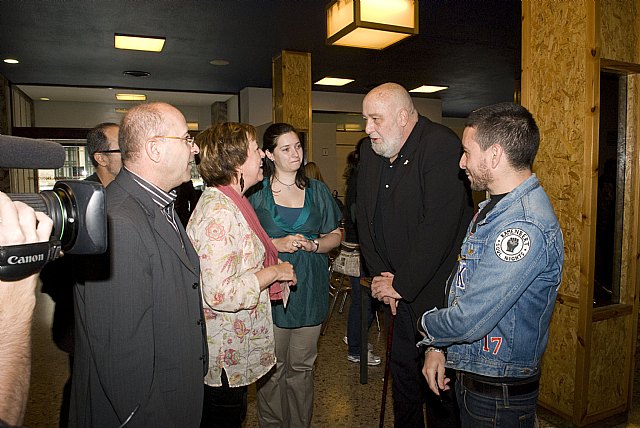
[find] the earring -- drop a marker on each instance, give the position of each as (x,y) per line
(241,182)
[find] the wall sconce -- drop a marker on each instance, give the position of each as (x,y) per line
(371,24)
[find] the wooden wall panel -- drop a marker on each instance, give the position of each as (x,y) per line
(608,384)
(629,225)
(618,20)
(558,363)
(555,83)
(589,359)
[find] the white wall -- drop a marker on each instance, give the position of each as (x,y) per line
(64,114)
(324,152)
(455,123)
(255,106)
(252,105)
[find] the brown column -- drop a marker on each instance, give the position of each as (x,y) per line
(292,93)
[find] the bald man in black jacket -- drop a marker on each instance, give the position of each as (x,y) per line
(413,207)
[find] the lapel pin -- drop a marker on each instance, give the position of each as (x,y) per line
(406,162)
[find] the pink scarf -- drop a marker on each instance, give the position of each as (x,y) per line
(276,289)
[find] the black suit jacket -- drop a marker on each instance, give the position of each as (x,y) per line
(140,339)
(426,217)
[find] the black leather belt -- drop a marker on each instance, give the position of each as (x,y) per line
(349,248)
(497,389)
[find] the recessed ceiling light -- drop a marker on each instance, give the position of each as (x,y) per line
(139,43)
(11,61)
(333,81)
(219,62)
(131,97)
(45,99)
(427,89)
(136,73)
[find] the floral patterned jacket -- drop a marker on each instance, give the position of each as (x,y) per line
(238,314)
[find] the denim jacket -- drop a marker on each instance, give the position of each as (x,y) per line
(503,290)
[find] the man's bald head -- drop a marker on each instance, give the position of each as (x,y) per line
(142,122)
(393,95)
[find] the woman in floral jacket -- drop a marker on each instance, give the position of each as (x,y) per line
(240,269)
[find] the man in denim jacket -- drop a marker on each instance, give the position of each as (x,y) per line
(502,293)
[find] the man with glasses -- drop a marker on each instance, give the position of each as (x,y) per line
(104,151)
(141,350)
(58,277)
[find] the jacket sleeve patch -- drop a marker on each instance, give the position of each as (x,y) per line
(512,245)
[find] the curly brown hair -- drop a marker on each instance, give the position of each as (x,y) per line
(223,149)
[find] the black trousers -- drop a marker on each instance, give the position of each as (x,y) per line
(410,389)
(224,407)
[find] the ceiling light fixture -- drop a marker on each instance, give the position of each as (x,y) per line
(193,126)
(219,62)
(45,99)
(11,61)
(131,97)
(333,81)
(121,110)
(428,89)
(139,43)
(370,24)
(136,73)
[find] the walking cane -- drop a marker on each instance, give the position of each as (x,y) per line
(386,370)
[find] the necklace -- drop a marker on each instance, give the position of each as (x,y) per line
(284,184)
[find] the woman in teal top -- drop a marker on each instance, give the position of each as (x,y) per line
(302,219)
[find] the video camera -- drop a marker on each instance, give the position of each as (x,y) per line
(77,208)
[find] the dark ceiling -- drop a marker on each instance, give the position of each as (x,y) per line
(472,46)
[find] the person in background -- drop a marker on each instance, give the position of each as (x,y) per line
(238,265)
(19,225)
(104,151)
(141,350)
(312,170)
(412,206)
(502,294)
(302,219)
(58,276)
(352,339)
(186,200)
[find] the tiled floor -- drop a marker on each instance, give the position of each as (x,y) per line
(340,400)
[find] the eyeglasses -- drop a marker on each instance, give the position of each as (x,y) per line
(189,139)
(108,151)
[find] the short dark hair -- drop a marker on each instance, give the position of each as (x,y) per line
(223,149)
(269,143)
(511,126)
(97,140)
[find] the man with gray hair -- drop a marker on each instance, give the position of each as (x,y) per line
(141,350)
(412,208)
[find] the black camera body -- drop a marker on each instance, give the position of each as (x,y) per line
(78,210)
(79,213)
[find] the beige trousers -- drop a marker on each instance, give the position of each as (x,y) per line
(285,394)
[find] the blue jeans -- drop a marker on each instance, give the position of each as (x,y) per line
(353,323)
(479,410)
